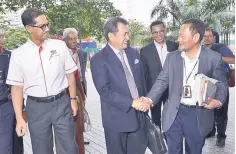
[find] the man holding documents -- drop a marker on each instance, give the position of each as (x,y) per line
(183,115)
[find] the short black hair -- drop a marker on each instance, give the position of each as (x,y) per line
(111,26)
(209,29)
(217,36)
(197,26)
(29,15)
(157,22)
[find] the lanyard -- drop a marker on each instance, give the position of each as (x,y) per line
(190,72)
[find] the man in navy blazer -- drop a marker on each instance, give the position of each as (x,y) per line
(114,69)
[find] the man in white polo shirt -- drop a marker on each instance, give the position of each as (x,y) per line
(43,69)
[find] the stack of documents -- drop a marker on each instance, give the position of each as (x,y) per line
(205,88)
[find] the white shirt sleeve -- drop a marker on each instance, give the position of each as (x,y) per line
(14,76)
(69,63)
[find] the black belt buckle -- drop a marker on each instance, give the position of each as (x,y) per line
(187,106)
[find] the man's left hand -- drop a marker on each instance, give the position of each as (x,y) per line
(212,104)
(74,107)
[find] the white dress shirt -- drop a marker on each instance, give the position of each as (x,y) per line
(42,74)
(126,60)
(189,65)
(162,52)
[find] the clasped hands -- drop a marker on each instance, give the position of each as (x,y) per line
(141,104)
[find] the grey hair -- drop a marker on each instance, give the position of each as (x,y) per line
(111,26)
(69,30)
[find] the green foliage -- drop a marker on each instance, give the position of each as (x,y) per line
(139,35)
(88,17)
(15,37)
(218,14)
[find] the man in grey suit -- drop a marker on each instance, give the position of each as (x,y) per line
(182,116)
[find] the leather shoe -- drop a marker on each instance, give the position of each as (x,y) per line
(211,134)
(86,142)
(220,142)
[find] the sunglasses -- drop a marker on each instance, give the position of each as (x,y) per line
(43,26)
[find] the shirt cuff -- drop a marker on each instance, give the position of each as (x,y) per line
(220,105)
(151,102)
(70,70)
(14,82)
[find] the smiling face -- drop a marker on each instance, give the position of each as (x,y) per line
(187,39)
(158,33)
(119,40)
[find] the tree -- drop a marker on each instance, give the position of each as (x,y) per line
(4,22)
(209,11)
(88,17)
(139,35)
(15,37)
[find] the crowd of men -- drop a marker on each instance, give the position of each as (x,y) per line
(50,74)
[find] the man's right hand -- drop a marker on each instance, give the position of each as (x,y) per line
(140,105)
(21,128)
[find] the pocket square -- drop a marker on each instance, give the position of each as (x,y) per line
(136,61)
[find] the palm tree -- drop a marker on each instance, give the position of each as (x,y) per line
(217,13)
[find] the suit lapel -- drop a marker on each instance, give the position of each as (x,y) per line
(179,71)
(202,60)
(155,54)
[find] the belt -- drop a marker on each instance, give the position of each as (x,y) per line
(3,101)
(187,105)
(47,99)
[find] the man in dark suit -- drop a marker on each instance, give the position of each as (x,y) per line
(9,141)
(221,115)
(83,63)
(118,78)
(153,57)
(182,116)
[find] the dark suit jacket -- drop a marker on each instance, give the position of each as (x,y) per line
(151,61)
(211,65)
(4,64)
(83,63)
(111,84)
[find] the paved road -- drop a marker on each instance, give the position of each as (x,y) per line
(96,135)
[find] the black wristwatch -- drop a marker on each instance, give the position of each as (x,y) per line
(74,98)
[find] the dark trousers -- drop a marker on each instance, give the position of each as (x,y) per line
(185,126)
(18,147)
(6,128)
(156,110)
(127,142)
(42,117)
(221,119)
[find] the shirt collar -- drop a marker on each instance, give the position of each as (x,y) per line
(32,43)
(197,56)
(158,45)
(71,51)
(114,49)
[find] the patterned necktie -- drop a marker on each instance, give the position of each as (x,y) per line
(129,77)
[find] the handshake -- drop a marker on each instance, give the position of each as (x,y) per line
(142,104)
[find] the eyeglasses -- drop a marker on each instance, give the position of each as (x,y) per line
(43,26)
(157,32)
(210,36)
